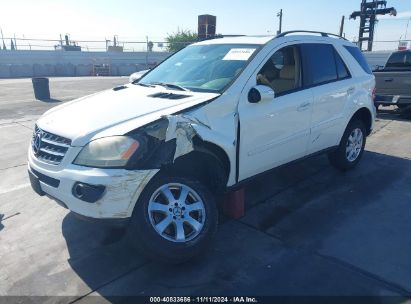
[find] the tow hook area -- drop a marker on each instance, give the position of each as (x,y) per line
(88,193)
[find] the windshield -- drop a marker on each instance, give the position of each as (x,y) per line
(208,68)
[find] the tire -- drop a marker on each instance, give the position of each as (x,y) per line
(341,157)
(169,246)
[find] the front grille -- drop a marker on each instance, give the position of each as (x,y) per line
(49,147)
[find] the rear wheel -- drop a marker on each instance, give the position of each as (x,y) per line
(351,147)
(174,219)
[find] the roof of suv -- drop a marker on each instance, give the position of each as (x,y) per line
(238,40)
(265,39)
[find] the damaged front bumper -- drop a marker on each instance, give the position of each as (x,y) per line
(112,194)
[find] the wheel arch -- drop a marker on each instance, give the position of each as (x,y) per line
(208,162)
(363,114)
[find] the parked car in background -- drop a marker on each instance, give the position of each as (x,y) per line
(137,75)
(393,80)
(377,59)
(156,153)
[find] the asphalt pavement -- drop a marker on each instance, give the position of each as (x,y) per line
(309,230)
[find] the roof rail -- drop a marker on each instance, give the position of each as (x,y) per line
(311,32)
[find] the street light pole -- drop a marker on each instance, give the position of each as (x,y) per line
(280,15)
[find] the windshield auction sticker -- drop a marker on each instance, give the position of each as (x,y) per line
(239,54)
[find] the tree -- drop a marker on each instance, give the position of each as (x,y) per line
(180,40)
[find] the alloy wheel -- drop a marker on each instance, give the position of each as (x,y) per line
(176,212)
(354,145)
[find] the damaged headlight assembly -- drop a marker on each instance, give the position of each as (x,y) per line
(114,151)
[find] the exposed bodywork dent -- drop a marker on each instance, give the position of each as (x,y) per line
(178,130)
(126,189)
(222,135)
(123,187)
(180,127)
(183,128)
(142,182)
(171,136)
(167,139)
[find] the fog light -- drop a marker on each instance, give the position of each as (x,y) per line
(88,193)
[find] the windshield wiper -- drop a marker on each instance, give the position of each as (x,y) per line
(140,83)
(170,85)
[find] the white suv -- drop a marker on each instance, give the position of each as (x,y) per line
(157,152)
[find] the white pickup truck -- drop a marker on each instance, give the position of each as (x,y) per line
(156,153)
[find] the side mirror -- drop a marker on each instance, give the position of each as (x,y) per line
(260,93)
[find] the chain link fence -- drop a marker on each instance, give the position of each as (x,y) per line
(133,45)
(12,43)
(390,45)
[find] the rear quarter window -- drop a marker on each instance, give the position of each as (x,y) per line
(341,67)
(359,57)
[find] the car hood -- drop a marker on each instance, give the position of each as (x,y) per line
(116,111)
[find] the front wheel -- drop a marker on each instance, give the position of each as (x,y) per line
(351,147)
(174,219)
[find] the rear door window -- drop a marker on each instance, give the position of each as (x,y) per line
(319,64)
(359,57)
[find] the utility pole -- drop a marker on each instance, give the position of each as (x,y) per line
(368,17)
(280,15)
(342,26)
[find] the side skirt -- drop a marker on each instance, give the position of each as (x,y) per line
(246,181)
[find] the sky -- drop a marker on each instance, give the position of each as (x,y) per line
(135,20)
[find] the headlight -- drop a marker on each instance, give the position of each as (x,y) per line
(112,151)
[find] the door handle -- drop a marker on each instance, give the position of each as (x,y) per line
(350,90)
(304,106)
(389,79)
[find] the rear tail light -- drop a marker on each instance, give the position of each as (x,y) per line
(373,94)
